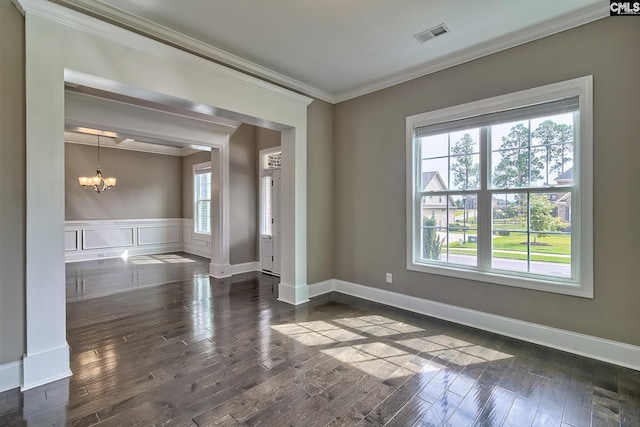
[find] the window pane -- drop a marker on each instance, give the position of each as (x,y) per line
(530,235)
(435,175)
(462,236)
(449,231)
(267,212)
(203,223)
(550,233)
(435,146)
(202,214)
(552,140)
(465,172)
(510,232)
(514,164)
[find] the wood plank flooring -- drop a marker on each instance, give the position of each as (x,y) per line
(206,352)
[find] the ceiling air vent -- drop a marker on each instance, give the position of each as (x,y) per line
(431,33)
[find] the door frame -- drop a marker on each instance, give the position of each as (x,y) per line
(261,170)
(60,41)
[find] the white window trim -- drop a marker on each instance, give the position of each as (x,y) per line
(199,167)
(582,226)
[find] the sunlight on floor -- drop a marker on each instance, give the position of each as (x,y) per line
(159,259)
(399,349)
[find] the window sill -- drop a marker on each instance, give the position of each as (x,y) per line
(494,277)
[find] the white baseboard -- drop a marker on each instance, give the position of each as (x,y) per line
(244,268)
(293,295)
(609,351)
(194,250)
(10,375)
(45,367)
(320,288)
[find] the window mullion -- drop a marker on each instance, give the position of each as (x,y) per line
(484,203)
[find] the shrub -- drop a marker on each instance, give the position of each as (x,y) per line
(431,242)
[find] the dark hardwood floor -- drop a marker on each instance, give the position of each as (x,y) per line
(206,352)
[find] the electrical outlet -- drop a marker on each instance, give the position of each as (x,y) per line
(389,278)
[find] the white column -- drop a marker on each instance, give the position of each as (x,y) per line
(220,266)
(293,287)
(47,353)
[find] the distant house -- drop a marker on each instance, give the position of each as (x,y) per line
(563,200)
(440,206)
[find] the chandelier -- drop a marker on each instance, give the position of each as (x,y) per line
(97,183)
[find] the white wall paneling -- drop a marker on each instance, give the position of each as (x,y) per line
(154,235)
(71,240)
(117,238)
(106,238)
(195,243)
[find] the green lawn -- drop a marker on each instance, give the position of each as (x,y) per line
(557,245)
(516,255)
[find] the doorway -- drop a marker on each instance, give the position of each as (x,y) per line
(84,52)
(270,226)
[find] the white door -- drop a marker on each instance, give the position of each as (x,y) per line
(270,222)
(276,221)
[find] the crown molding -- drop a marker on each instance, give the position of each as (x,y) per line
(88,24)
(187,44)
(146,27)
(557,25)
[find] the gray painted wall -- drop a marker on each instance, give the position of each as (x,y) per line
(243,196)
(369,153)
(12,188)
(320,220)
(149,185)
(266,138)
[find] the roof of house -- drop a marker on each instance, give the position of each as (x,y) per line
(568,174)
(427,177)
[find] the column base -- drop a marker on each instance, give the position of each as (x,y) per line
(220,271)
(293,295)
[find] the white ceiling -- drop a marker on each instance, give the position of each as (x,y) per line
(337,49)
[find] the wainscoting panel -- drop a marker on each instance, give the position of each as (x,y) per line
(101,239)
(159,235)
(71,240)
(105,238)
(194,243)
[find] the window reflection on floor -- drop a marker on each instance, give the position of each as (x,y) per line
(385,348)
(91,279)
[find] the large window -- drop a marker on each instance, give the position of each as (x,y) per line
(500,190)
(202,198)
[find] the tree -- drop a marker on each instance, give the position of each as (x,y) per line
(517,166)
(546,132)
(465,171)
(563,152)
(558,148)
(431,242)
(541,216)
(514,168)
